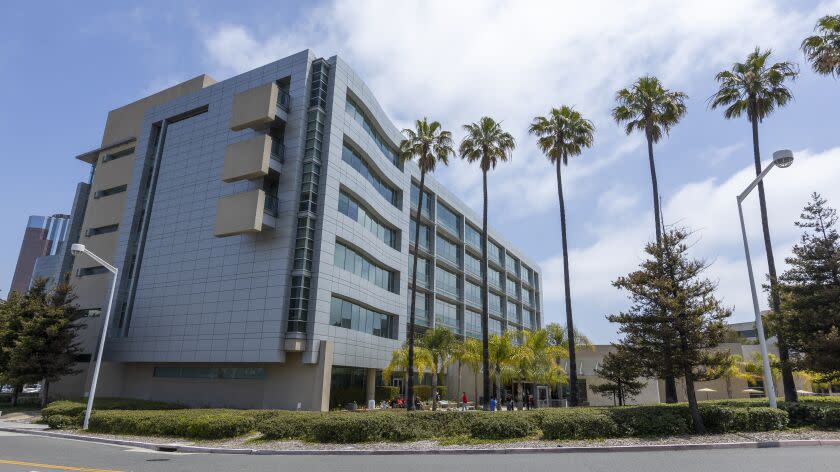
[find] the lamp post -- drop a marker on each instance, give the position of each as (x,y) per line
(782,159)
(77,249)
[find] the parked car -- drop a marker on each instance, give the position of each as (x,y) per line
(6,389)
(32,388)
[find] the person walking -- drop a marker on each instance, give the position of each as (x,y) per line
(464,401)
(509,401)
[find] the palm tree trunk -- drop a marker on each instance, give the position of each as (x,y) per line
(670,381)
(411,317)
(728,387)
(485,317)
(458,393)
(434,384)
(573,390)
(784,354)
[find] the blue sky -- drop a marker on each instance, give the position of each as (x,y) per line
(455,63)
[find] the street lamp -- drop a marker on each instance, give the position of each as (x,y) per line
(783,158)
(77,249)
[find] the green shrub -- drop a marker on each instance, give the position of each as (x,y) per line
(199,424)
(654,420)
(362,427)
(286,425)
(387,393)
(507,425)
(723,419)
(578,424)
(63,422)
(830,419)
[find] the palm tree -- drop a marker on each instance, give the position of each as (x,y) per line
(428,144)
(756,88)
(399,362)
(823,49)
(501,351)
(648,106)
(439,342)
(488,144)
(731,368)
(562,134)
(535,360)
(472,358)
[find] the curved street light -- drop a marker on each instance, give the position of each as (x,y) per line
(77,249)
(781,159)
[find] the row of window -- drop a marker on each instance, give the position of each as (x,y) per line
(427,200)
(356,161)
(447,250)
(446,314)
(347,314)
(448,219)
(357,114)
(425,235)
(350,260)
(209,372)
(110,191)
(351,207)
(446,282)
(101,230)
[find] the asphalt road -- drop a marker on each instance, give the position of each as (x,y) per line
(23,453)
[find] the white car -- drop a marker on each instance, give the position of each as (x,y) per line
(6,389)
(32,388)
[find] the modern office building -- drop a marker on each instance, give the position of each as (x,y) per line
(261,226)
(39,252)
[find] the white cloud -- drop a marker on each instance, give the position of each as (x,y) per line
(708,207)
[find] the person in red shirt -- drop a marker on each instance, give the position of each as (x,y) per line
(464,401)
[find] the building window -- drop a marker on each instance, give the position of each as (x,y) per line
(510,263)
(84,272)
(494,303)
(494,253)
(494,327)
(510,288)
(421,309)
(447,219)
(110,191)
(117,155)
(528,320)
(355,112)
(425,235)
(472,324)
(101,230)
(427,200)
(352,208)
(494,278)
(513,313)
(472,293)
(347,314)
(472,237)
(447,250)
(446,314)
(351,157)
(232,373)
(472,265)
(422,271)
(527,275)
(446,282)
(352,261)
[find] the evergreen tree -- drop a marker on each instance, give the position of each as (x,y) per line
(10,321)
(621,373)
(810,291)
(45,346)
(672,301)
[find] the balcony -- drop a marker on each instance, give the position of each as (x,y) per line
(251,159)
(246,212)
(258,108)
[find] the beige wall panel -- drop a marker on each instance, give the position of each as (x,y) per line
(254,108)
(247,159)
(240,213)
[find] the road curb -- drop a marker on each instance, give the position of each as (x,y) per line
(395,452)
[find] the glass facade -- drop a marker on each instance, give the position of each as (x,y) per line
(351,207)
(446,314)
(510,264)
(355,112)
(427,200)
(352,261)
(239,373)
(446,282)
(355,160)
(494,253)
(494,278)
(528,320)
(472,293)
(448,220)
(472,324)
(447,250)
(494,327)
(346,314)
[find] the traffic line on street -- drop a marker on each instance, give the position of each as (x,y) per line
(55,467)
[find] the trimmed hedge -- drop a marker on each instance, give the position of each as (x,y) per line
(65,414)
(507,425)
(579,424)
(286,424)
(198,424)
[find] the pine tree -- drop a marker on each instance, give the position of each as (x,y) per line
(621,373)
(672,301)
(45,346)
(810,291)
